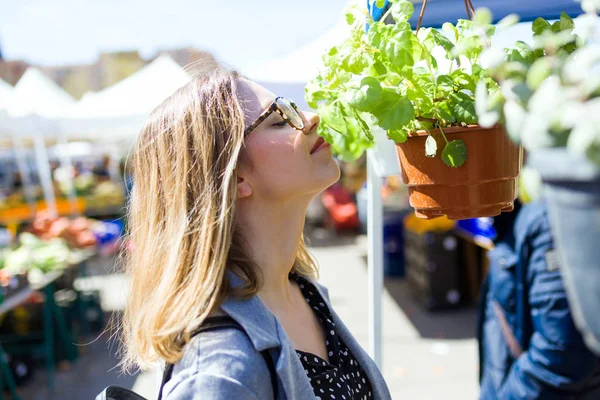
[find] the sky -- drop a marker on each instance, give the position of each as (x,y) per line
(238,32)
(245,34)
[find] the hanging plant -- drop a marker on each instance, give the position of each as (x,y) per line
(419,86)
(401,81)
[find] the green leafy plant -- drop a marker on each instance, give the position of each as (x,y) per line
(401,81)
(548,93)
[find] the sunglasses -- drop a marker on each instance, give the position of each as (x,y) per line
(288,111)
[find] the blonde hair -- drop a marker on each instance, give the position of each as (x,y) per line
(181,219)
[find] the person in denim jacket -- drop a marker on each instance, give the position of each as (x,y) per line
(529,347)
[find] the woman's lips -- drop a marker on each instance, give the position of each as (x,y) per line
(319,144)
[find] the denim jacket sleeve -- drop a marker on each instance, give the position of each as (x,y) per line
(220,365)
(556,359)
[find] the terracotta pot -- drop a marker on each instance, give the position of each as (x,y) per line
(484,186)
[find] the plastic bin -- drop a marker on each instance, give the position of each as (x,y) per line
(393,243)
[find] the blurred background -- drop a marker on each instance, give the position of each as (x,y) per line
(78,78)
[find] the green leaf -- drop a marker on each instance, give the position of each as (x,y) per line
(522,52)
(314,93)
(331,115)
(465,112)
(402,48)
(377,32)
(394,111)
(350,18)
(465,25)
(355,62)
(478,71)
(366,128)
(340,77)
(445,81)
(463,80)
(566,23)
(377,68)
(425,83)
(380,3)
(450,30)
(366,96)
(454,153)
(402,11)
(539,26)
(522,92)
(443,111)
(457,97)
(422,100)
(555,27)
(430,147)
(469,46)
(539,70)
(398,135)
(436,38)
(483,16)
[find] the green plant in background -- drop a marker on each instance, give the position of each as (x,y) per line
(549,93)
(401,81)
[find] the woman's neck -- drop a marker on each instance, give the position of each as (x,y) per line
(272,236)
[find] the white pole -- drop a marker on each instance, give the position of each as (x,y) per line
(43,165)
(67,163)
(375,256)
(24,171)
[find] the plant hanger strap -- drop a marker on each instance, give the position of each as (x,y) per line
(468,6)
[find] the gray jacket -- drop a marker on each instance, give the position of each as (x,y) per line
(227,364)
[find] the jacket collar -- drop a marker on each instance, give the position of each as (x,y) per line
(265,332)
(254,316)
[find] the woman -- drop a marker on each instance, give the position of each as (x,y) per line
(223,175)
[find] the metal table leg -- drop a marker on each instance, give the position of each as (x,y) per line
(62,330)
(49,335)
(6,375)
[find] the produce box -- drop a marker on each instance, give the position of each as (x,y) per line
(432,268)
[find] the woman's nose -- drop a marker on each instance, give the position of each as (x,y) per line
(311,122)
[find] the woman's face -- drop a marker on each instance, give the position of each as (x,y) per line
(279,162)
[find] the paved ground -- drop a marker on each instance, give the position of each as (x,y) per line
(426,355)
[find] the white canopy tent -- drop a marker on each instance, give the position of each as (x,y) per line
(37,108)
(119,111)
(7,94)
(137,94)
(35,93)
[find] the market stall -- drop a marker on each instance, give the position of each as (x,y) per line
(82,177)
(42,312)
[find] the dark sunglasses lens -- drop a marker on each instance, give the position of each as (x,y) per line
(290,112)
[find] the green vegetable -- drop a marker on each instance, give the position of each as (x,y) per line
(36,253)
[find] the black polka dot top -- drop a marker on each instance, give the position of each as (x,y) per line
(340,378)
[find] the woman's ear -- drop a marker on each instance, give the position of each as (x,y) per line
(244,189)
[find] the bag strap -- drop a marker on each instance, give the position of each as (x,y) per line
(509,337)
(220,323)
